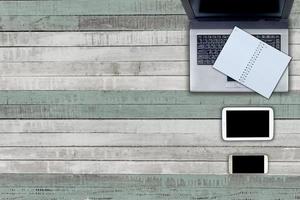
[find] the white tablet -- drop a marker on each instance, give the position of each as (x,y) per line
(247,123)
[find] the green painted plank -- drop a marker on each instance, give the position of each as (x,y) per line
(103,23)
(39,186)
(91,7)
(39,23)
(96,7)
(129,111)
(86,23)
(144,97)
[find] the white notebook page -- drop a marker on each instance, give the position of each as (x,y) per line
(252,62)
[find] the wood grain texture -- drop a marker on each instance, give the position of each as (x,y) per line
(104,23)
(105,38)
(78,187)
(129,111)
(143,98)
(108,83)
(115,68)
(147,139)
(144,153)
(91,7)
(134,167)
(148,53)
(94,7)
(139,126)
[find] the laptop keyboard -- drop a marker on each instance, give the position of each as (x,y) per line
(210,46)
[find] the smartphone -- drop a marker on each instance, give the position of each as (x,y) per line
(247,123)
(248,164)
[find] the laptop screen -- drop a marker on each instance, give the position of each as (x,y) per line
(239,8)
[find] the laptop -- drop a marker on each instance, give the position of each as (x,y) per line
(211,22)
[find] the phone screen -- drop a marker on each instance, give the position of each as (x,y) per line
(248,164)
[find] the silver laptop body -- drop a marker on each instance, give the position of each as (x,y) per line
(203,78)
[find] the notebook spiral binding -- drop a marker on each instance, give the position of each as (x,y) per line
(251,62)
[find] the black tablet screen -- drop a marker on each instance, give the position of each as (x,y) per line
(251,123)
(248,164)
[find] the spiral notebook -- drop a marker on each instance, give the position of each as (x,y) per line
(252,62)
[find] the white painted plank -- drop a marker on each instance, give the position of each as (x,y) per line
(95,83)
(279,154)
(144,53)
(65,69)
(105,38)
(95,39)
(175,126)
(133,139)
(58,69)
(132,167)
(294,68)
(149,53)
(106,83)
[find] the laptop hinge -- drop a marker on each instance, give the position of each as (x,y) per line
(229,24)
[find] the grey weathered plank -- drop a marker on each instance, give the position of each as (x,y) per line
(78,187)
(148,53)
(136,167)
(104,38)
(134,53)
(107,83)
(90,68)
(203,138)
(152,68)
(138,126)
(179,154)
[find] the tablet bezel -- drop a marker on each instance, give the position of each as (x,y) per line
(271,124)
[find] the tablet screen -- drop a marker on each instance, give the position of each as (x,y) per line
(247,123)
(248,164)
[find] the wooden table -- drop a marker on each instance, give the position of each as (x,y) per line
(101,87)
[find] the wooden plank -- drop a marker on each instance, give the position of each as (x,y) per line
(129,111)
(179,154)
(91,7)
(107,83)
(100,83)
(202,139)
(162,180)
(65,69)
(150,53)
(57,69)
(89,23)
(135,53)
(101,23)
(129,126)
(78,187)
(94,7)
(135,167)
(104,38)
(143,97)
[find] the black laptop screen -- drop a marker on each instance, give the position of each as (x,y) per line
(251,8)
